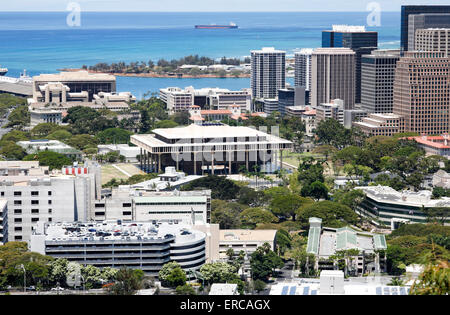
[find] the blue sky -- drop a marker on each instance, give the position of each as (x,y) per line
(208,5)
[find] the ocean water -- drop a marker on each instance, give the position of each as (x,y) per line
(43,42)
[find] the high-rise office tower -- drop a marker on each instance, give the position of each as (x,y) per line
(424,21)
(408,10)
(362,42)
(303,68)
(333,76)
(433,39)
(377,80)
(422,92)
(286,98)
(268,72)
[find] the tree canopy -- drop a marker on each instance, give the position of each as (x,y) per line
(48,158)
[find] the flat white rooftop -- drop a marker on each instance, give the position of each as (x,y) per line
(111,230)
(197,131)
(247,235)
(386,194)
(268,50)
(333,51)
(74,76)
(349,28)
(223,289)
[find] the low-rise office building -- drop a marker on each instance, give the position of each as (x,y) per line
(233,112)
(307,114)
(245,240)
(434,145)
(213,148)
(131,204)
(138,245)
(270,105)
(383,124)
(70,86)
(45,115)
(129,153)
(36,146)
(385,206)
(178,99)
(334,110)
(325,242)
(441,179)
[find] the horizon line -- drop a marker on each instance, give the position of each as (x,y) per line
(144,11)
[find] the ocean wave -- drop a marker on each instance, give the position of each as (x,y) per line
(389,43)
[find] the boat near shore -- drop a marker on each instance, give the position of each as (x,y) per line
(3,71)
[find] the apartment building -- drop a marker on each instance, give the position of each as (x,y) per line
(268,72)
(303,68)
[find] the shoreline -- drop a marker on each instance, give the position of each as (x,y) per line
(156,75)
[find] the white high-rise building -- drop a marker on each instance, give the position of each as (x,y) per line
(303,68)
(35,194)
(268,72)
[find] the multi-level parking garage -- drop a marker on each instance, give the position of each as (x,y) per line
(146,246)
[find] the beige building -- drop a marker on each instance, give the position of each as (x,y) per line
(380,124)
(245,240)
(421,92)
(332,110)
(333,76)
(433,39)
(64,87)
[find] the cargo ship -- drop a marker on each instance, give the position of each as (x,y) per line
(215,26)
